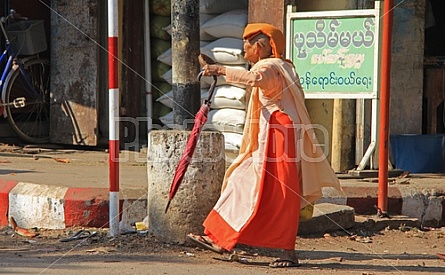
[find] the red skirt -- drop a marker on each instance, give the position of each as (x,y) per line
(274,221)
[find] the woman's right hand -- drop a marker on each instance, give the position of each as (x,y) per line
(209,70)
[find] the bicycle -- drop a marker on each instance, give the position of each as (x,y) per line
(25,79)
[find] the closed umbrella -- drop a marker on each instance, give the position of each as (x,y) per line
(200,120)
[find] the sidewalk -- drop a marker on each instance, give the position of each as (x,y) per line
(58,188)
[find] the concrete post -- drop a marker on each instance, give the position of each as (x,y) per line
(199,190)
(185,65)
(343,135)
(275,15)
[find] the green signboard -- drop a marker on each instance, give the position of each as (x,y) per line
(335,53)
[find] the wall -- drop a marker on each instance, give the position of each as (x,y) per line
(407,67)
(325,5)
(75,48)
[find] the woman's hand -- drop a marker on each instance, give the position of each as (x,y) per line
(210,70)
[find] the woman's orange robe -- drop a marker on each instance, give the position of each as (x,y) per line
(280,167)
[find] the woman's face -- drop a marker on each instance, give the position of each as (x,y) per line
(250,51)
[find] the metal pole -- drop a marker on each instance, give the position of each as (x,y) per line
(360,105)
(185,65)
(384,106)
(113,143)
(147,50)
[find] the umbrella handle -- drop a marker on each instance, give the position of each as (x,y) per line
(201,73)
(168,205)
(211,89)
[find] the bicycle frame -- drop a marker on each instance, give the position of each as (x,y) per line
(6,71)
(7,53)
(8,64)
(11,56)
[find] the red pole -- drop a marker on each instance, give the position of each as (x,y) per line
(385,88)
(113,141)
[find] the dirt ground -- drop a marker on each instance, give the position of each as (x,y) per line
(356,251)
(401,251)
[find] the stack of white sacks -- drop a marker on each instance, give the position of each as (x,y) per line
(160,41)
(222,26)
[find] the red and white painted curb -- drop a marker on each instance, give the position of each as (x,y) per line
(44,206)
(54,207)
(426,205)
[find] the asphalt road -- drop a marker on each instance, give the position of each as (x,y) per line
(408,252)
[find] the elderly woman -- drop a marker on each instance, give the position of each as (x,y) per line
(280,167)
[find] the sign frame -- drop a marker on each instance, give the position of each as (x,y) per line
(291,16)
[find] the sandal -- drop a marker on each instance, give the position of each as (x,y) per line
(282,263)
(81,234)
(202,242)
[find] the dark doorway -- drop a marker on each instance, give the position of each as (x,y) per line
(433,115)
(435,28)
(33,10)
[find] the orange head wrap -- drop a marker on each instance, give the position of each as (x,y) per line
(277,40)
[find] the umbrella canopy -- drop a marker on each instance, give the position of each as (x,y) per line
(186,158)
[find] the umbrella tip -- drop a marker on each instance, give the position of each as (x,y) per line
(168,205)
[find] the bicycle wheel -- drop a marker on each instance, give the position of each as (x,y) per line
(31,120)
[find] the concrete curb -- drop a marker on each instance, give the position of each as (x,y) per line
(426,205)
(328,217)
(53,207)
